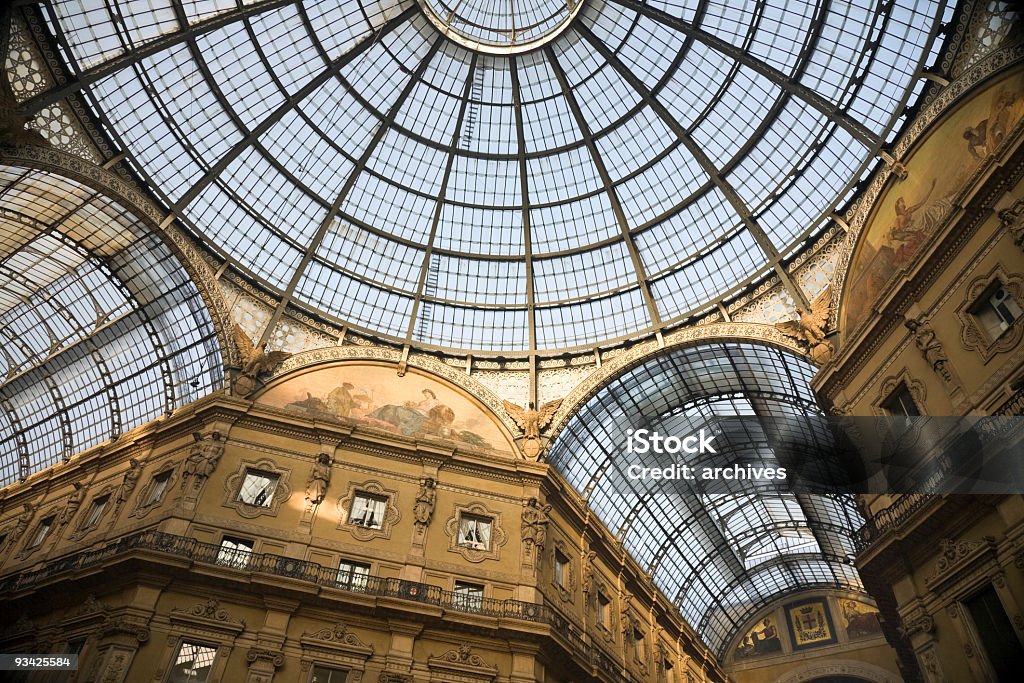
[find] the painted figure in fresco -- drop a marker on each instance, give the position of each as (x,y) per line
(910,235)
(858,623)
(766,640)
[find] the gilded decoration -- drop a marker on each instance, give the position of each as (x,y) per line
(272,505)
(761,639)
(909,213)
(810,623)
(364,529)
(972,337)
(371,395)
(473,552)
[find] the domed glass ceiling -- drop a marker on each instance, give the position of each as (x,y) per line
(639,162)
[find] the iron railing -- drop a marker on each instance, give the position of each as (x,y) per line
(572,639)
(277,565)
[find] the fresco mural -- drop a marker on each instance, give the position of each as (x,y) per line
(763,639)
(861,619)
(909,212)
(372,395)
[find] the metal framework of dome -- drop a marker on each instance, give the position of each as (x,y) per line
(635,164)
(721,551)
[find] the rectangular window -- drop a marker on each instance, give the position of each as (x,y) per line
(325,674)
(157,487)
(474,531)
(997,634)
(901,403)
(604,608)
(368,510)
(561,569)
(353,575)
(42,531)
(996,310)
(95,512)
(258,488)
(192,663)
(234,552)
(639,646)
(469,597)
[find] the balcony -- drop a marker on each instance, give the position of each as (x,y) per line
(587,655)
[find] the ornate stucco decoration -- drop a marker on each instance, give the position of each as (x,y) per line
(532,423)
(918,390)
(387,522)
(971,336)
(1012,220)
(319,479)
(208,615)
(423,509)
(202,459)
(461,665)
(567,587)
(233,486)
(471,553)
(337,645)
(957,556)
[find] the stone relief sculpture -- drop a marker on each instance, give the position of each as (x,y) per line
(810,329)
(535,523)
(423,510)
(73,503)
(319,479)
(532,422)
(202,458)
(128,482)
(930,347)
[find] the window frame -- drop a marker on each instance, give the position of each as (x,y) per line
(356,581)
(186,641)
(236,554)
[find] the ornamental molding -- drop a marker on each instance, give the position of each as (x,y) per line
(636,355)
(858,215)
(837,668)
(499,537)
(918,390)
(208,615)
(972,337)
(460,665)
(233,489)
(190,257)
(338,638)
(956,557)
(391,512)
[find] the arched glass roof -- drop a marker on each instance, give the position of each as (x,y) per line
(101,329)
(640,162)
(720,550)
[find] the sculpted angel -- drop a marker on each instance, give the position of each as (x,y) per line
(255,361)
(810,329)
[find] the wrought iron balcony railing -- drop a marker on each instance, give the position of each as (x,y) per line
(574,641)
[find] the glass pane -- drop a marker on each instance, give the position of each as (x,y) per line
(258,489)
(193,663)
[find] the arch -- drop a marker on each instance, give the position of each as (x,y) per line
(106,326)
(641,353)
(720,550)
(866,213)
(839,668)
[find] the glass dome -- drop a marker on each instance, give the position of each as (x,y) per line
(521,181)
